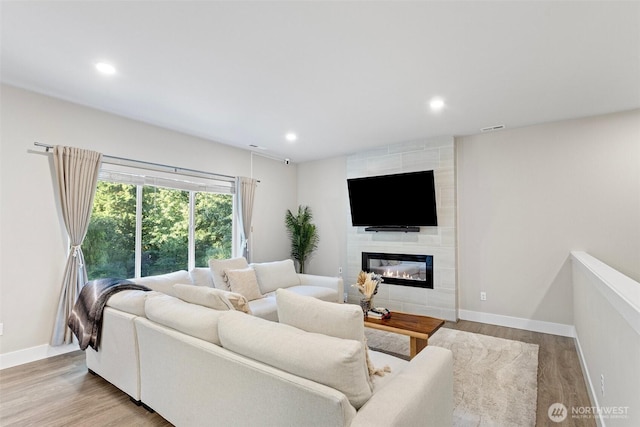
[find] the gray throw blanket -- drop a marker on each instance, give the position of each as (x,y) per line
(85,319)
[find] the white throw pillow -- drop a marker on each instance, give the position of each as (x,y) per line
(277,274)
(218,266)
(211,297)
(244,282)
(335,362)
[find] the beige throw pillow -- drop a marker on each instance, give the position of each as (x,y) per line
(218,266)
(244,282)
(212,298)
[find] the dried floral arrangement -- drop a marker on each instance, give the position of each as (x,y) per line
(367,284)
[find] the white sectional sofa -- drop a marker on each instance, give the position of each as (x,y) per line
(196,365)
(117,360)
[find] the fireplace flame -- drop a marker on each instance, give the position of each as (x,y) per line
(397,274)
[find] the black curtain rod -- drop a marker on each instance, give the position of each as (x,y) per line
(152,166)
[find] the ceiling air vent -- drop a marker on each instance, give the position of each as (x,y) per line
(492,128)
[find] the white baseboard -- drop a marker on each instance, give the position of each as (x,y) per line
(32,354)
(519,323)
(587,379)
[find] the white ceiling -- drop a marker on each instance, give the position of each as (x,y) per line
(345,76)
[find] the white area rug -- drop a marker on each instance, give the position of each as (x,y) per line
(495,381)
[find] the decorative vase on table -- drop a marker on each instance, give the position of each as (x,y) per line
(367,284)
(366,304)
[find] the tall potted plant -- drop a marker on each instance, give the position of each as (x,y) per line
(303,235)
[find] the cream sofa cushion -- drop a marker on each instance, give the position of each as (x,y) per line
(218,266)
(395,364)
(334,362)
(211,297)
(319,292)
(130,301)
(201,276)
(329,318)
(313,315)
(265,307)
(275,275)
(191,319)
(164,282)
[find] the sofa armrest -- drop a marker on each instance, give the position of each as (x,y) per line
(420,395)
(325,282)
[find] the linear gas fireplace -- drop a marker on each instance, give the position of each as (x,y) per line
(400,269)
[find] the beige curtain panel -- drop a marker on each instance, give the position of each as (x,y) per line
(77,174)
(245,192)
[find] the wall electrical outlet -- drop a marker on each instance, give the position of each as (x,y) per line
(339,270)
(483,296)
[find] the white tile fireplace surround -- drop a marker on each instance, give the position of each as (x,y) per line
(440,242)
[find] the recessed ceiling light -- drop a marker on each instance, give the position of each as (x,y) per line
(291,137)
(436,104)
(105,68)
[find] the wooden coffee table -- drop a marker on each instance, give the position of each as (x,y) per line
(418,328)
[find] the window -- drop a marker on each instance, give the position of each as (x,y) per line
(110,243)
(165,230)
(143,226)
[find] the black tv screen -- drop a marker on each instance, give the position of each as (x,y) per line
(406,199)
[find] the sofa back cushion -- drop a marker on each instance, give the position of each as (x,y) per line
(191,319)
(164,282)
(335,362)
(277,274)
(218,266)
(130,301)
(201,276)
(313,315)
(211,297)
(323,317)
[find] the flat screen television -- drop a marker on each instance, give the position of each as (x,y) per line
(393,201)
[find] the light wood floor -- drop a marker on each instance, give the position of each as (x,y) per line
(60,392)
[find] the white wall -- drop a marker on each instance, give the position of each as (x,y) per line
(33,240)
(529,196)
(322,185)
(275,194)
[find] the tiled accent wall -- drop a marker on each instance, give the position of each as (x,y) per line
(433,154)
